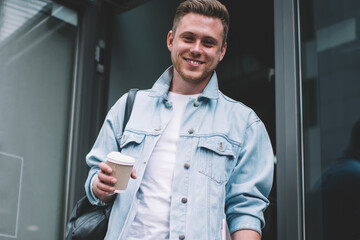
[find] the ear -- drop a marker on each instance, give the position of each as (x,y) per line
(223,51)
(170,39)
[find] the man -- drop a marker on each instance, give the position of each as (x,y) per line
(201,157)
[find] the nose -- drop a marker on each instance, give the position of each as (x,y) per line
(196,48)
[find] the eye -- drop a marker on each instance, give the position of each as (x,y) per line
(208,43)
(188,38)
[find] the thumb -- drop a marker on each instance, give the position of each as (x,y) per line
(133,173)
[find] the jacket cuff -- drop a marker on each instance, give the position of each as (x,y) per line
(245,222)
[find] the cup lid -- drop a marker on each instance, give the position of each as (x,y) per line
(117,157)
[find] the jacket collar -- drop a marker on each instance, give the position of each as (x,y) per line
(162,86)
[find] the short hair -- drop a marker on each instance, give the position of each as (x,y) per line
(209,8)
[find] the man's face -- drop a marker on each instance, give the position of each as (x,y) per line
(196,48)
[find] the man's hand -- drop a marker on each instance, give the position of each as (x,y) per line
(103,186)
(245,235)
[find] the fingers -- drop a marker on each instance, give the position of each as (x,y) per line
(133,173)
(107,179)
(104,183)
(104,174)
(105,168)
(103,191)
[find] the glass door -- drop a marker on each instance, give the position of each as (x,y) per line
(330,67)
(37,57)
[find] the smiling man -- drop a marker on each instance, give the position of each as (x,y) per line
(202,159)
(196,46)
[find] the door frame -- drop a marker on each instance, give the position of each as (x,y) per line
(88,113)
(289,180)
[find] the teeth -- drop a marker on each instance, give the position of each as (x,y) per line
(194,62)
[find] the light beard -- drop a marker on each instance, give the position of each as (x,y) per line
(190,78)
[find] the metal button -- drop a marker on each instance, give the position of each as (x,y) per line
(196,104)
(157,129)
(181,236)
(186,165)
(221,146)
(191,131)
(184,200)
(168,105)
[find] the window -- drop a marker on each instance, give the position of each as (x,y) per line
(331,129)
(37,57)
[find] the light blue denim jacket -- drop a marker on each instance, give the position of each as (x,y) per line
(224,164)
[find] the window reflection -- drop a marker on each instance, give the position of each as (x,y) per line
(15,14)
(330,70)
(339,187)
(37,57)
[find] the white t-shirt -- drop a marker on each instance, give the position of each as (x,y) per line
(152,219)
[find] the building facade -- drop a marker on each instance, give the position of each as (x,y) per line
(64,63)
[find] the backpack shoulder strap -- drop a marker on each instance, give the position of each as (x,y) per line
(129,105)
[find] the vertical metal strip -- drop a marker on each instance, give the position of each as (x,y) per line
(301,118)
(289,164)
(71,129)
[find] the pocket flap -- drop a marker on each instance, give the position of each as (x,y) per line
(131,137)
(219,145)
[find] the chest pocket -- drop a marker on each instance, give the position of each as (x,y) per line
(132,143)
(217,157)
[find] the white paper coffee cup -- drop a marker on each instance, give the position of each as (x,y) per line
(122,166)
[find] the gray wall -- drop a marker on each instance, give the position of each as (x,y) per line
(139,51)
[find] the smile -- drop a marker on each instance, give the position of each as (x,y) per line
(194,62)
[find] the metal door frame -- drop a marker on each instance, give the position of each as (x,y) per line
(87,113)
(288,121)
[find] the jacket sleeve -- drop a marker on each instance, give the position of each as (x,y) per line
(250,183)
(106,142)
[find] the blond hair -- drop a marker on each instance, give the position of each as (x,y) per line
(209,8)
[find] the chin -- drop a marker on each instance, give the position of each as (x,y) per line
(193,78)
